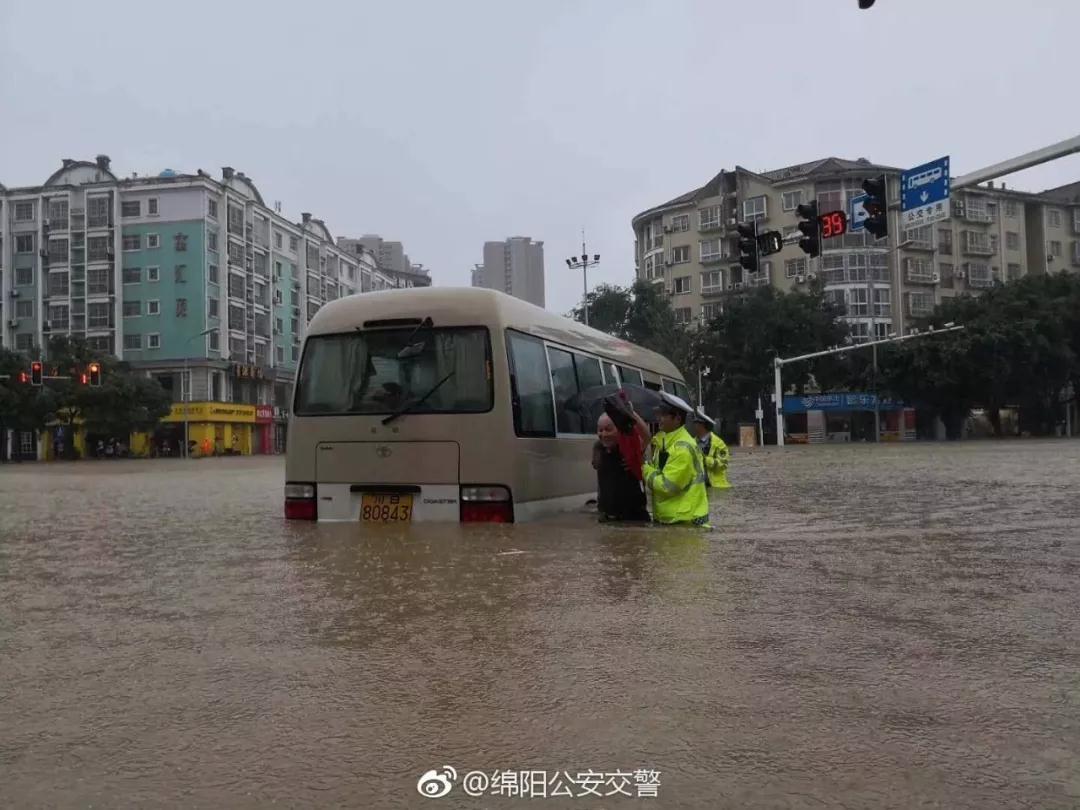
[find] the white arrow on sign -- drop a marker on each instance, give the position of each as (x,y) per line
(924,196)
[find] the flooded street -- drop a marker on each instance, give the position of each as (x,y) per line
(865,627)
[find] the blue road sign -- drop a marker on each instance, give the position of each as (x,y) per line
(857,215)
(924,194)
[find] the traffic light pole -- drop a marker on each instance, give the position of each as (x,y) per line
(780,362)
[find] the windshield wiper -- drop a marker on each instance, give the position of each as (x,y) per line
(417,403)
(409,349)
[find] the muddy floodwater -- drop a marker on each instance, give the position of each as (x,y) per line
(865,627)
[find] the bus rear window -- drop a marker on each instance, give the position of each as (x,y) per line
(382,371)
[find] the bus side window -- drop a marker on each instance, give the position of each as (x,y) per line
(588,372)
(682,392)
(564,382)
(669,386)
(531,386)
(629,376)
(610,375)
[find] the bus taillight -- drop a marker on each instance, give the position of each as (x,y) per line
(300,503)
(486,504)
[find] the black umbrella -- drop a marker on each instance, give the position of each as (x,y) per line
(590,402)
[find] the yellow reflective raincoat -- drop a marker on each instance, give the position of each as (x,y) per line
(678,489)
(717,457)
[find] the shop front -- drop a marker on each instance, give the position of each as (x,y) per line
(845,417)
(281,429)
(214,429)
(264,429)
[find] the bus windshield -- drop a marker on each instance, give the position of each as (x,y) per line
(383,371)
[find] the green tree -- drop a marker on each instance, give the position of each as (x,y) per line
(22,406)
(124,403)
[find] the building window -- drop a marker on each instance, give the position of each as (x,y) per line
(710,312)
(153,341)
(180,274)
(132,275)
(151,207)
(277,239)
(99,281)
(132,242)
(153,307)
(181,307)
(58,284)
(132,309)
(680,285)
(790,200)
(680,255)
(1012,240)
(97,212)
(24,342)
(683,315)
(58,214)
(153,241)
(1055,249)
(712,281)
(58,251)
(294,244)
(1014,271)
(215,346)
(24,309)
(130,208)
(1010,208)
(680,223)
(24,276)
(98,316)
(945,243)
(212,274)
(1054,216)
(212,241)
(794,267)
(153,274)
(979,274)
(212,307)
(279,354)
(294,326)
(992,211)
(132,342)
(180,242)
(709,250)
(211,208)
(755,209)
(295,353)
(24,212)
(24,243)
(279,326)
(236,254)
(709,217)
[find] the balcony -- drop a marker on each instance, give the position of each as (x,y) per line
(921,243)
(713,258)
(78,219)
(710,225)
(921,273)
(980,282)
(977,244)
(920,307)
(973,212)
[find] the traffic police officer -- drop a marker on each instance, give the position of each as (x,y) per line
(676,475)
(716,453)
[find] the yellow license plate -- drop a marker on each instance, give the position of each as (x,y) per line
(386,508)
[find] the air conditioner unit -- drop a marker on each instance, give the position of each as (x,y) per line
(667,229)
(960,274)
(13,323)
(800,279)
(669,263)
(811,275)
(937,277)
(14,293)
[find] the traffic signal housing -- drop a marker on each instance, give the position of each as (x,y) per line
(876,206)
(749,256)
(37,372)
(810,226)
(93,371)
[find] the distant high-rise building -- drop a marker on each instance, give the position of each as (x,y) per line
(515,267)
(391,258)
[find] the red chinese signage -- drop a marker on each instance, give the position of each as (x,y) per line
(264,413)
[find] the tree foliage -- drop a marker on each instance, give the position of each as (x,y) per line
(125,402)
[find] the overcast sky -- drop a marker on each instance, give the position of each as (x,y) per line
(446,124)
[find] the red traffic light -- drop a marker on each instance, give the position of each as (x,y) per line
(94,373)
(37,371)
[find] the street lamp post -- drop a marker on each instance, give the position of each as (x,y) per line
(185,380)
(584,263)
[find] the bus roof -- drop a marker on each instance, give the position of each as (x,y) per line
(474,306)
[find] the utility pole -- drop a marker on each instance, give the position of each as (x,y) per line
(583,264)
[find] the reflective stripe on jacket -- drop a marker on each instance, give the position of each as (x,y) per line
(678,490)
(717,458)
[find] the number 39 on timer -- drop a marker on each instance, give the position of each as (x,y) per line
(833,224)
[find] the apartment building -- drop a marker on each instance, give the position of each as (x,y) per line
(994,234)
(157,269)
(515,267)
(391,258)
